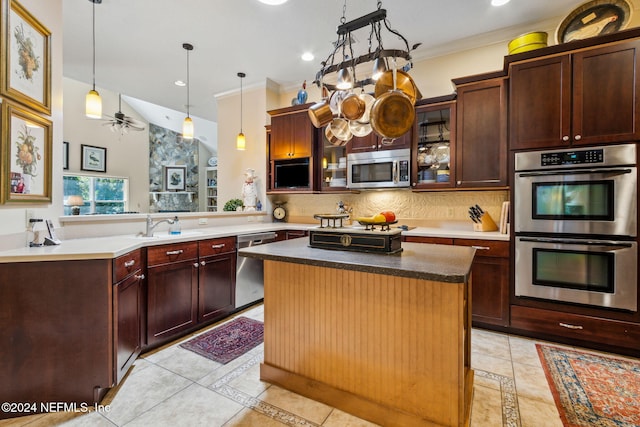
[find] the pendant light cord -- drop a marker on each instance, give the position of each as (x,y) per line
(94,45)
(188,82)
(241,104)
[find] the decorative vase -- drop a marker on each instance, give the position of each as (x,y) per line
(302,94)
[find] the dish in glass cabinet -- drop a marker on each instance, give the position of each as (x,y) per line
(594,18)
(213,161)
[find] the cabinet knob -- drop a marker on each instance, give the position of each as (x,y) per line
(565,138)
(578,137)
(373,146)
(139,276)
(203,263)
(129,263)
(570,326)
(178,252)
(196,265)
(459,182)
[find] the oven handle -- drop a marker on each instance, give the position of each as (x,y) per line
(576,242)
(577,172)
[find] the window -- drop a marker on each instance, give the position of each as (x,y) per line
(101,194)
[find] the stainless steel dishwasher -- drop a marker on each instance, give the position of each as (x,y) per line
(250,271)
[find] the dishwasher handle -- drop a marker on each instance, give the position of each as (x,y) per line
(258,238)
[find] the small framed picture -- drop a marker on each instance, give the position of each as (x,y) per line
(26,74)
(26,149)
(93,159)
(175,178)
(65,155)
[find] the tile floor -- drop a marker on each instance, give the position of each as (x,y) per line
(175,387)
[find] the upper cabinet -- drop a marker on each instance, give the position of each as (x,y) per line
(292,133)
(435,147)
(586,97)
(481,137)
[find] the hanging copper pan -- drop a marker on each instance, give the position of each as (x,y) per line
(392,114)
(352,107)
(320,113)
(338,132)
(404,83)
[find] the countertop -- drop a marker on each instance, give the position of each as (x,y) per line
(114,246)
(417,260)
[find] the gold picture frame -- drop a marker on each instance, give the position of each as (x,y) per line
(26,147)
(25,74)
(594,18)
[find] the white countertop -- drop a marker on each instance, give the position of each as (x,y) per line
(114,246)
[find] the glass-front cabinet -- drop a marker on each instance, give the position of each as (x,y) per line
(435,147)
(212,189)
(332,173)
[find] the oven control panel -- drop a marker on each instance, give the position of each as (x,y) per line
(572,157)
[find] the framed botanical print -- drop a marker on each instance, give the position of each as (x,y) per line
(25,75)
(26,152)
(93,159)
(175,178)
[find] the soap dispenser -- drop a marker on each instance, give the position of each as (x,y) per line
(175,226)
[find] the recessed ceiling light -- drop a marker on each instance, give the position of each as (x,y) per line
(273,2)
(179,83)
(499,2)
(307,56)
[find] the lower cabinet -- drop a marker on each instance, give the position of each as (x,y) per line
(290,234)
(490,278)
(172,297)
(216,278)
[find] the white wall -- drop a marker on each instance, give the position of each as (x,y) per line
(13,223)
(127,155)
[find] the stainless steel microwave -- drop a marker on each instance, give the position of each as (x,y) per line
(379,169)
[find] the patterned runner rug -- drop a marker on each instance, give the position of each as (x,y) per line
(228,341)
(591,390)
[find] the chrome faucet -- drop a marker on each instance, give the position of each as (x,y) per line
(151,225)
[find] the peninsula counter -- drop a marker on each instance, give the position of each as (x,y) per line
(384,337)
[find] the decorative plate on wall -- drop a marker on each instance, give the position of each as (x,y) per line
(594,18)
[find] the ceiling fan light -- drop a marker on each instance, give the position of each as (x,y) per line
(241,142)
(379,67)
(345,79)
(93,105)
(187,128)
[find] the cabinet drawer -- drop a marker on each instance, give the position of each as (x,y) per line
(575,326)
(490,248)
(435,240)
(176,252)
(216,246)
(126,264)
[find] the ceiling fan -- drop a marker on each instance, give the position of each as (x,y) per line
(120,122)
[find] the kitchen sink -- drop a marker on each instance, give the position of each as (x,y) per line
(162,235)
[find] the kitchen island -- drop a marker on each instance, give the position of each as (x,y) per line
(384,337)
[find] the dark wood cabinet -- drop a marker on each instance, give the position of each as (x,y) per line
(172,298)
(490,281)
(481,137)
(435,148)
(373,142)
(216,278)
(129,310)
(292,134)
(586,97)
(489,278)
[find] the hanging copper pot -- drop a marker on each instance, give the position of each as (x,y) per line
(360,129)
(368,103)
(404,83)
(392,114)
(320,113)
(352,107)
(338,132)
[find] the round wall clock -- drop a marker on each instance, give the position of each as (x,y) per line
(594,18)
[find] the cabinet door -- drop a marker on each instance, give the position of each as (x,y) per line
(481,138)
(280,147)
(435,131)
(216,286)
(605,102)
(301,135)
(362,144)
(540,103)
(490,290)
(172,300)
(129,322)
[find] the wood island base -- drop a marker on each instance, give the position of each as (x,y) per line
(392,350)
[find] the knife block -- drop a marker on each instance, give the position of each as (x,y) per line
(486,223)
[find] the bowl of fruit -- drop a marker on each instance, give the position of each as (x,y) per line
(383,219)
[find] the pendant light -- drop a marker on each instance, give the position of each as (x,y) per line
(93,102)
(241,142)
(187,124)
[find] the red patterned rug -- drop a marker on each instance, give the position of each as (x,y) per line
(228,341)
(591,390)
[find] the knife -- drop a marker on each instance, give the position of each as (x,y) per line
(480,210)
(473,218)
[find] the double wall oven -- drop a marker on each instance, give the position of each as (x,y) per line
(575,223)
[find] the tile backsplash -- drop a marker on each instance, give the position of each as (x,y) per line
(410,207)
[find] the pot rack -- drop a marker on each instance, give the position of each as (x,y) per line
(374,20)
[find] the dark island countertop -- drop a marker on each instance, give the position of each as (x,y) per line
(443,263)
